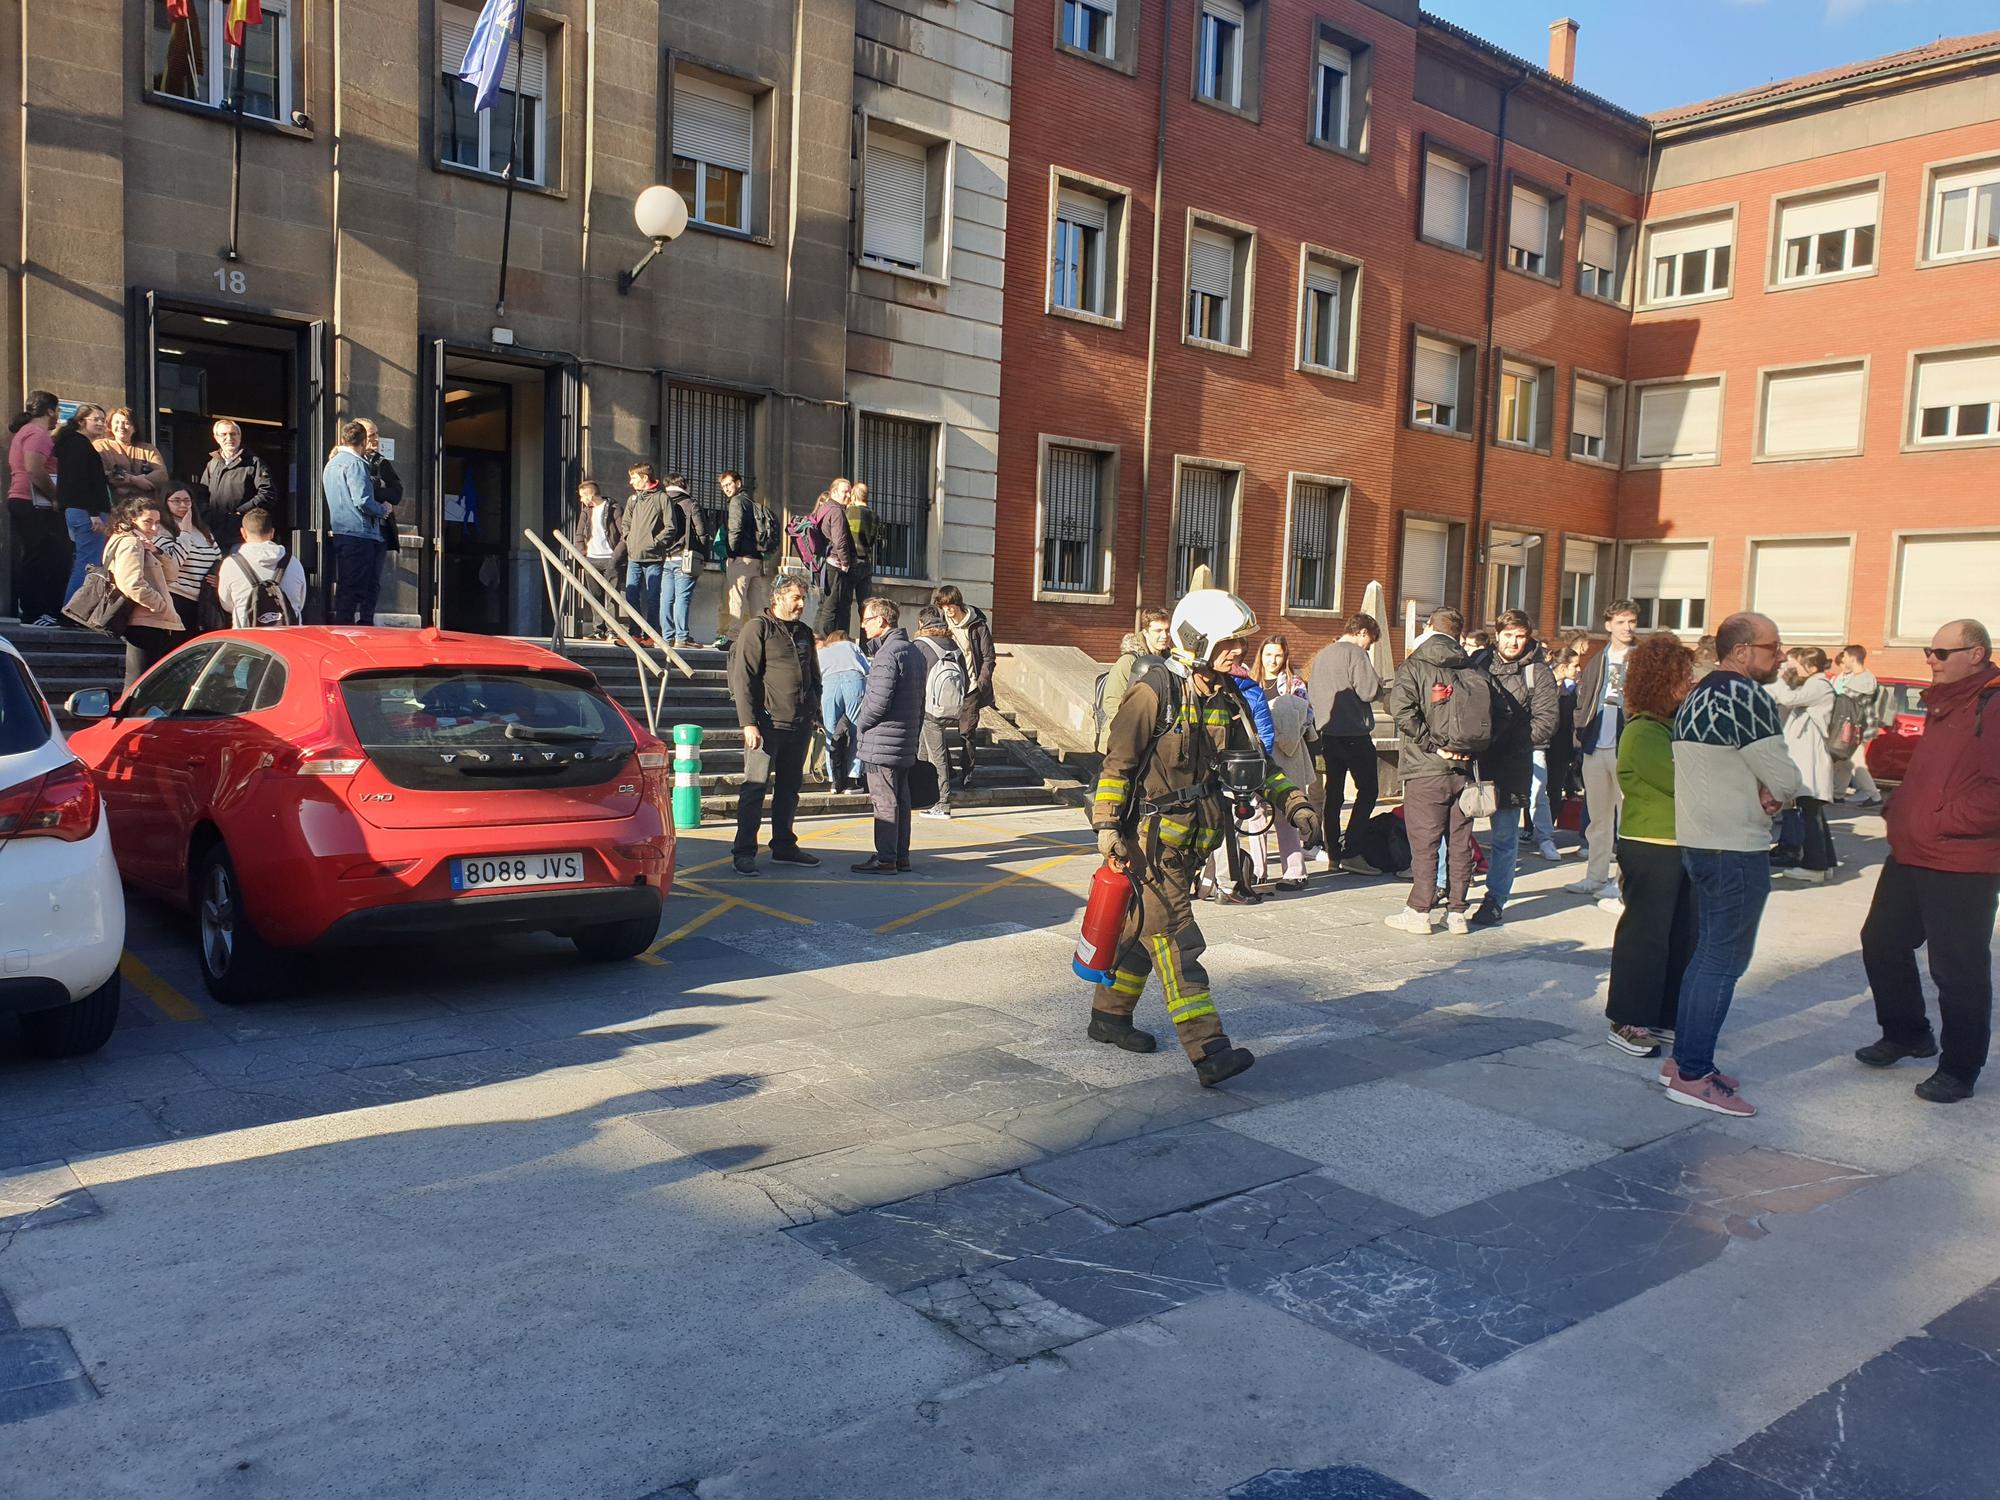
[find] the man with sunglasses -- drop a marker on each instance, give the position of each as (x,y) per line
(1941,883)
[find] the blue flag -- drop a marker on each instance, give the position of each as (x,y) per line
(486,57)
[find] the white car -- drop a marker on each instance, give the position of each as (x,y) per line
(62,910)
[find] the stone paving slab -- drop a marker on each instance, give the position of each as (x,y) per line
(1099,1117)
(1156,1174)
(900,1166)
(1622,1108)
(765,1122)
(39,1373)
(1003,1317)
(49,1193)
(953,1090)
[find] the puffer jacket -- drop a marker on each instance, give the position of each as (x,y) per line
(1410,705)
(1529,681)
(892,709)
(146,578)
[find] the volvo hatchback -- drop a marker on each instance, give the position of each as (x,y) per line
(316,786)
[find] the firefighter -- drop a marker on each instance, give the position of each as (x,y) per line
(1181,755)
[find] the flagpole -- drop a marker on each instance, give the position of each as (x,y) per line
(236,146)
(513,162)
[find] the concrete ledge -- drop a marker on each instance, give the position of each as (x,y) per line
(1058,684)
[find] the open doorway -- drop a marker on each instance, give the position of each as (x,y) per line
(473,572)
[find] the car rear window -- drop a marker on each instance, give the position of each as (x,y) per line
(1903,698)
(24,721)
(449,729)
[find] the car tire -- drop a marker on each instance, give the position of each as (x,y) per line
(237,965)
(75,1029)
(613,941)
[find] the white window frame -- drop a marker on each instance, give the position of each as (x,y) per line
(943,178)
(1342,138)
(1914,440)
(1211,16)
(534,172)
(1518,373)
(1237,306)
(1635,426)
(1554,210)
(1975,174)
(1588,616)
(1108,456)
(1078,265)
(1610,454)
(1342,493)
(1346,310)
(1501,576)
(1710,292)
(1454,562)
(1794,633)
(1649,609)
(217,65)
(1463,171)
(1460,352)
(698,210)
(1072,19)
(1778,274)
(1587,272)
(1893,632)
(1775,374)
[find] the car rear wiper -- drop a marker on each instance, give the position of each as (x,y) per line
(551,736)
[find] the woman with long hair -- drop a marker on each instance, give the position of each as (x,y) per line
(132,467)
(1274,668)
(82,490)
(1806,695)
(1656,932)
(191,544)
(144,573)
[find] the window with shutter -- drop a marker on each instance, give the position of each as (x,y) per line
(1219,61)
(1597,264)
(895,191)
(1670,586)
(897,461)
(1827,236)
(1965,210)
(1202,526)
(1332,85)
(1211,286)
(1590,424)
(1944,578)
(1425,575)
(713,135)
(1324,334)
(1447,201)
(1583,565)
(1081,241)
(1958,396)
(708,432)
(485,140)
(1072,521)
(1528,232)
(1678,422)
(1091,26)
(1690,259)
(1313,565)
(1519,387)
(1815,411)
(1434,384)
(1802,585)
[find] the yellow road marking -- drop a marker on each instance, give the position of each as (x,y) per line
(746,903)
(722,904)
(172,1003)
(716,864)
(963,896)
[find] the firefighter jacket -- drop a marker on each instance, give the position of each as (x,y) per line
(1163,764)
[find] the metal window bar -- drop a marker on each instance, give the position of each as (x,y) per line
(1072,521)
(709,431)
(1313,517)
(1202,530)
(896,464)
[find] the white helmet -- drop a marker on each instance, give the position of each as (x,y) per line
(1206,618)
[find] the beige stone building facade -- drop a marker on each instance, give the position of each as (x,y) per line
(795,330)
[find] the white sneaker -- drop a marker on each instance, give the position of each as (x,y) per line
(1613,904)
(1584,887)
(1610,891)
(1456,925)
(1415,922)
(1795,872)
(1549,852)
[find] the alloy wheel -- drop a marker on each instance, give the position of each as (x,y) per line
(218,920)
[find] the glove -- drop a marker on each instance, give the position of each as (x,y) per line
(1306,821)
(1114,847)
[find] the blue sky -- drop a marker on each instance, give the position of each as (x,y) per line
(1651,57)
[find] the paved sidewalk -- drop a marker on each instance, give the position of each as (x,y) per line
(831,1197)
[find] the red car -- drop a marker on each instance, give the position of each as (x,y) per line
(316,786)
(1900,709)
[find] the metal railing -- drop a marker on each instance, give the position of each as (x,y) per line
(563,581)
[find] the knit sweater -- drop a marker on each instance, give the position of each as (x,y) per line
(1728,741)
(1646,777)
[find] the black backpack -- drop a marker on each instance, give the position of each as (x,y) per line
(1846,726)
(769,537)
(268,604)
(1385,843)
(1474,716)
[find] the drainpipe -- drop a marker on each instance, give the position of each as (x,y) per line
(1476,593)
(583,236)
(1153,308)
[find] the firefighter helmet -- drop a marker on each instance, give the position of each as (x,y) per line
(1205,619)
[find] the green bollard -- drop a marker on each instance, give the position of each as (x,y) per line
(687,776)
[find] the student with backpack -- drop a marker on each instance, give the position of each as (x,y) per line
(1808,699)
(1444,712)
(752,540)
(826,546)
(260,583)
(1518,668)
(939,743)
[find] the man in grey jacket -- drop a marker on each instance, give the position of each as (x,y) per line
(888,725)
(1343,688)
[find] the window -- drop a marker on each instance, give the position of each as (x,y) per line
(1813,413)
(1218,274)
(240,680)
(164,689)
(1600,266)
(1802,584)
(1689,259)
(1678,422)
(1333,86)
(190,58)
(713,135)
(1204,526)
(1941,578)
(1534,232)
(1091,26)
(708,431)
(1593,421)
(1437,384)
(1520,404)
(897,459)
(1328,290)
(1958,396)
(1585,564)
(1075,496)
(1312,561)
(1513,571)
(484,140)
(905,197)
(1670,587)
(1965,210)
(1083,273)
(1432,563)
(1830,235)
(1219,53)
(1453,201)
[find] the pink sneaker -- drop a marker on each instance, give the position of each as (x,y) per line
(1670,1070)
(1710,1093)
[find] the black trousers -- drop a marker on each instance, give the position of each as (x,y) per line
(1431,813)
(1952,915)
(1349,755)
(357,579)
(1655,936)
(1818,852)
(41,558)
(145,645)
(777,769)
(836,596)
(940,745)
(889,799)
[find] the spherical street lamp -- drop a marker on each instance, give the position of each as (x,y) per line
(661,214)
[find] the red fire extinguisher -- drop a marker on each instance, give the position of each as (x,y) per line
(1103,921)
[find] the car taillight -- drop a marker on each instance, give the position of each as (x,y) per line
(331,765)
(654,760)
(62,804)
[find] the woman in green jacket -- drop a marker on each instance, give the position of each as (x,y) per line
(1656,933)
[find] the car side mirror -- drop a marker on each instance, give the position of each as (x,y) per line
(90,703)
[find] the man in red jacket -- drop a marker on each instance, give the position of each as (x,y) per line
(1941,883)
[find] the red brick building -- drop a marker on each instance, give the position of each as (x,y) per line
(1384,327)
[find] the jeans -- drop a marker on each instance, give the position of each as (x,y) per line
(889,799)
(1540,813)
(642,588)
(1431,810)
(676,593)
(1730,889)
(1349,755)
(1952,915)
(88,545)
(1655,939)
(357,579)
(1503,852)
(777,768)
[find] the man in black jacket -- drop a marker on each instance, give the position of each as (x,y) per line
(753,540)
(973,635)
(235,478)
(1434,773)
(1519,669)
(774,678)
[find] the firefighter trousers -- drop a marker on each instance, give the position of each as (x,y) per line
(1160,934)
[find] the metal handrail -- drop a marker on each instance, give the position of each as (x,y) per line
(653,672)
(646,627)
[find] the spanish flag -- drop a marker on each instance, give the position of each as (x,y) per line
(242,13)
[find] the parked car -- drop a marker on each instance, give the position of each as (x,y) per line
(62,911)
(309,787)
(1900,709)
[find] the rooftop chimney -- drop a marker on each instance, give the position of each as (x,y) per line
(1562,49)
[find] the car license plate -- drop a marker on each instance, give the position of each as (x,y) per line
(493,872)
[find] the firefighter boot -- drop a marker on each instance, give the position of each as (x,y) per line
(1220,1061)
(1119,1030)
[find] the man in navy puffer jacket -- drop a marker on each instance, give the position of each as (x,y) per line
(888,726)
